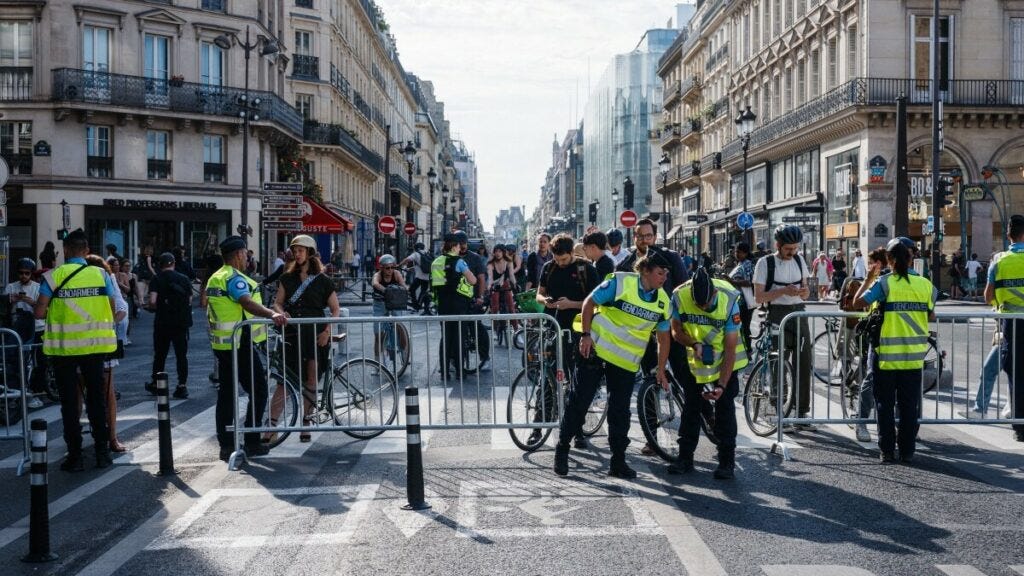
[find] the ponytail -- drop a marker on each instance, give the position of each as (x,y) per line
(900,259)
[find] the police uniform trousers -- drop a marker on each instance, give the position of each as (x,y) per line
(1012,353)
(680,370)
(450,351)
(620,389)
(896,390)
(66,370)
(253,380)
(723,424)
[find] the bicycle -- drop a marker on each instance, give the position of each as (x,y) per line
(392,342)
(360,391)
(762,389)
(661,413)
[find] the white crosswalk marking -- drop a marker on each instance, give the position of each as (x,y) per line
(959,570)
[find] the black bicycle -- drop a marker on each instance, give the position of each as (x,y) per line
(661,415)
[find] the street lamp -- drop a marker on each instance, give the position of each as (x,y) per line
(744,126)
(615,205)
(444,210)
(248,111)
(663,166)
(409,153)
(432,181)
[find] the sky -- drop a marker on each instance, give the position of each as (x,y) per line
(513,73)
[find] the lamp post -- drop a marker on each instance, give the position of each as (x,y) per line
(409,153)
(444,210)
(663,166)
(432,181)
(615,206)
(248,111)
(744,126)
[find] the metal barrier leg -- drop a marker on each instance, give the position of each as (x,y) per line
(414,467)
(163,416)
(779,445)
(39,515)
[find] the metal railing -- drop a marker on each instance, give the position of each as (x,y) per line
(337,135)
(83,86)
(20,164)
(306,66)
(669,132)
(671,93)
(215,171)
(400,184)
(341,83)
(99,166)
(361,104)
(15,83)
(14,423)
(158,169)
(688,84)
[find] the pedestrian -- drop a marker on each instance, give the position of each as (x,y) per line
(780,281)
(972,266)
(233,297)
(170,298)
(338,259)
(112,252)
(1002,290)
(518,265)
(632,307)
(419,260)
(616,250)
(23,294)
(688,267)
(251,264)
(596,246)
(821,269)
(353,267)
(304,293)
(502,281)
(368,263)
(906,302)
(145,270)
(113,360)
(478,266)
(47,260)
(536,260)
(278,262)
(706,319)
(877,267)
(287,257)
(956,272)
(742,277)
(78,303)
(860,269)
(838,271)
(214,262)
(452,283)
(182,264)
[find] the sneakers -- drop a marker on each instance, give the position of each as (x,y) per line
(562,459)
(972,413)
(534,437)
(485,364)
(1007,412)
(862,433)
(683,465)
(887,458)
(724,472)
(647,450)
(181,392)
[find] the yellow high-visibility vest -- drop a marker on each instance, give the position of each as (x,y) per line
(224,313)
(624,326)
(708,328)
(79,320)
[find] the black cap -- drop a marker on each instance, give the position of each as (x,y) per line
(451,237)
(461,237)
(76,235)
(231,244)
(703,288)
(166,259)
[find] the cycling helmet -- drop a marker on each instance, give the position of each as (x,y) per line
(303,240)
(901,240)
(702,287)
(387,260)
(614,237)
(788,234)
(461,237)
(26,264)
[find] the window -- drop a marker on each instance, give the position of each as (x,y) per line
(156,57)
(16,43)
(96,49)
(747,40)
(851,52)
(1016,48)
(214,166)
(805,173)
(158,164)
(815,74)
(99,162)
(304,3)
(777,19)
(214,5)
(801,83)
(212,65)
(16,146)
(303,43)
(756,39)
(921,63)
(789,13)
(833,63)
(304,104)
(841,171)
(777,93)
(782,181)
(789,90)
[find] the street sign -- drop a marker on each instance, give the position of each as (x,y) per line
(929,228)
(289,199)
(698,218)
(809,209)
(745,220)
(973,193)
(797,220)
(628,218)
(274,213)
(386,224)
(282,187)
(282,225)
(409,228)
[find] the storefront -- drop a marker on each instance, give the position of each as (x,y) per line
(842,230)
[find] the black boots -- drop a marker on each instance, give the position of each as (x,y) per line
(562,459)
(620,469)
(103,459)
(682,465)
(726,466)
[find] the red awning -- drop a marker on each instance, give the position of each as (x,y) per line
(349,225)
(320,220)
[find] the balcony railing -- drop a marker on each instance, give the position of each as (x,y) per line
(157,169)
(306,66)
(335,135)
(693,125)
(361,105)
(99,166)
(669,132)
(378,77)
(689,85)
(215,172)
(717,58)
(20,164)
(81,86)
(15,83)
(378,116)
(401,184)
(671,93)
(341,83)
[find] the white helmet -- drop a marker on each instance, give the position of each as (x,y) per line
(387,260)
(303,240)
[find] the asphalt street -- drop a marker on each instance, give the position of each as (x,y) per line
(333,506)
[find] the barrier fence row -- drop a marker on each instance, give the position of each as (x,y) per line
(14,393)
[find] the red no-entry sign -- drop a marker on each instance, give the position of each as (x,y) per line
(409,228)
(386,225)
(628,218)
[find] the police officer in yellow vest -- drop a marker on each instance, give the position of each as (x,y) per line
(706,320)
(232,296)
(633,305)
(452,283)
(1005,289)
(907,302)
(77,301)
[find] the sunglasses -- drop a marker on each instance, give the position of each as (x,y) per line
(387,267)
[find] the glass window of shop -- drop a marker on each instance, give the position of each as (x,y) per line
(757,187)
(809,223)
(842,192)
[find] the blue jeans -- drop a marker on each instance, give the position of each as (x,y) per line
(989,377)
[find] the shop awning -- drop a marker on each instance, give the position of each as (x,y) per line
(675,230)
(320,220)
(349,224)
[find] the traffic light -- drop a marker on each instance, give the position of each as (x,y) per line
(627,194)
(946,192)
(593,212)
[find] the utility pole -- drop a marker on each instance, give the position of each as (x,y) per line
(937,196)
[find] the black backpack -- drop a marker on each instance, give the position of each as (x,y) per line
(770,262)
(426,259)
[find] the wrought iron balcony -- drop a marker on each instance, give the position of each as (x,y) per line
(335,135)
(306,66)
(720,56)
(690,87)
(670,135)
(157,169)
(361,104)
(340,83)
(99,166)
(671,93)
(378,116)
(15,83)
(400,184)
(215,172)
(378,77)
(20,164)
(102,88)
(691,131)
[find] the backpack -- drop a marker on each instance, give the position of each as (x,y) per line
(770,281)
(426,259)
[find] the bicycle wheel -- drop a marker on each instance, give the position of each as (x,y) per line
(402,351)
(597,411)
(760,396)
(362,392)
(827,365)
(470,350)
(519,338)
(850,396)
(282,412)
(532,398)
(660,416)
(933,365)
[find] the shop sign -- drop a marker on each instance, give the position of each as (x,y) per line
(158,204)
(798,219)
(42,148)
(881,231)
(973,193)
(841,185)
(876,170)
(282,187)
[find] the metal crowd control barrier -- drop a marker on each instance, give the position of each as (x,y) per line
(14,393)
(299,390)
(360,286)
(961,378)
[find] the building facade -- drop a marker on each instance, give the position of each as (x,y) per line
(510,225)
(822,78)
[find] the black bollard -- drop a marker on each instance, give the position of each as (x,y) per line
(163,416)
(39,516)
(414,461)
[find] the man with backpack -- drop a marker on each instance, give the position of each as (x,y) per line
(170,297)
(420,260)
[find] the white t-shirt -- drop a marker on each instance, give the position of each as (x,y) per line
(618,258)
(278,262)
(786,272)
(32,291)
(972,269)
(860,269)
(417,273)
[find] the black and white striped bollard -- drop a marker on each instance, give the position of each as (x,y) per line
(39,515)
(414,460)
(163,417)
